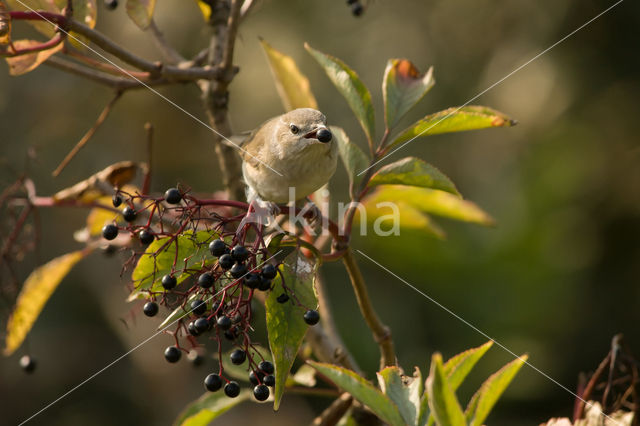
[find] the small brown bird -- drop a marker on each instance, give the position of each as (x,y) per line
(291,152)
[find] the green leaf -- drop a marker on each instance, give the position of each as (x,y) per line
(22,64)
(35,293)
(432,201)
(285,324)
(361,390)
(486,397)
(413,171)
(353,158)
(178,312)
(293,86)
(458,367)
(406,396)
(192,253)
(350,87)
(402,87)
(424,415)
(455,120)
(205,409)
(141,12)
(442,400)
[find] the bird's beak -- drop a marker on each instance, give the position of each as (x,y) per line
(322,134)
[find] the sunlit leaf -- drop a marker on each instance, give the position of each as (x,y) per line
(293,87)
(192,255)
(285,324)
(205,409)
(454,120)
(361,390)
(442,400)
(404,392)
(386,215)
(350,87)
(102,183)
(205,9)
(402,87)
(486,397)
(141,12)
(413,171)
(431,201)
(37,289)
(45,28)
(458,367)
(353,158)
(22,64)
(305,376)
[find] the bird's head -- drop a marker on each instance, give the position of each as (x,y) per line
(303,128)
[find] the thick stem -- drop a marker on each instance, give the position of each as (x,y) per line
(381,333)
(215,93)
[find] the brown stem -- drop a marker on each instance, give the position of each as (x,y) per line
(215,93)
(381,333)
(87,136)
(334,412)
(168,52)
(54,41)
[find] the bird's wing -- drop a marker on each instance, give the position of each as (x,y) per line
(253,143)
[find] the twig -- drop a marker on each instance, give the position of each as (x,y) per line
(590,386)
(334,412)
(381,333)
(97,76)
(246,8)
(168,52)
(146,184)
(87,136)
(54,41)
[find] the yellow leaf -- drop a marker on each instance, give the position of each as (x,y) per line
(293,86)
(37,289)
(115,176)
(43,27)
(5,25)
(22,64)
(98,217)
(205,9)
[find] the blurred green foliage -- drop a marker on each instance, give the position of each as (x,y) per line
(556,278)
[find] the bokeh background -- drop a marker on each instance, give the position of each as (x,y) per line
(556,278)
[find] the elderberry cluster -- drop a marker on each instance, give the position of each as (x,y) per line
(214,296)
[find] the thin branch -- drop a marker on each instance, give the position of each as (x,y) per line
(97,76)
(87,136)
(334,412)
(168,52)
(230,40)
(104,66)
(246,8)
(54,41)
(381,333)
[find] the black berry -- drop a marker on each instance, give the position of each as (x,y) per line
(201,324)
(231,334)
(111,4)
(28,364)
(205,280)
(172,196)
(357,9)
(129,214)
(311,317)
(213,382)
(225,261)
(269,380)
(261,392)
(232,389)
(192,329)
(109,232)
(217,248)
(252,280)
(238,270)
(169,282)
(116,200)
(238,356)
(150,309)
(265,284)
(324,135)
(239,253)
(146,237)
(266,367)
(283,298)
(269,272)
(198,307)
(224,322)
(172,354)
(255,377)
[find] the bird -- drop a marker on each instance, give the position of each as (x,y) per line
(288,158)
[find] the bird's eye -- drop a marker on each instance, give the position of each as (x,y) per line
(294,129)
